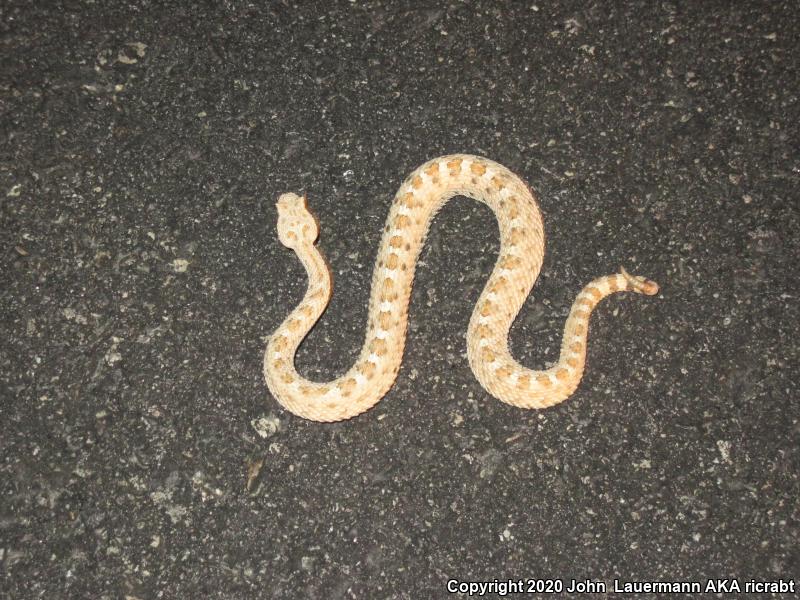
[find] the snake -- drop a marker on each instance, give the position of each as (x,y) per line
(518,264)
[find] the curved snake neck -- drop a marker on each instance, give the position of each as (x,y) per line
(419,198)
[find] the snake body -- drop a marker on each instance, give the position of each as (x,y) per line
(419,198)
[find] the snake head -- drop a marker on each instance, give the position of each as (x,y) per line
(296,224)
(639,284)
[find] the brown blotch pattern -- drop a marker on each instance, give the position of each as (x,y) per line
(408,200)
(477,168)
(378,346)
(388,296)
(454,166)
(367,369)
(510,262)
(347,386)
(498,285)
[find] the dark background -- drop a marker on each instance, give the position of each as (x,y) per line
(662,136)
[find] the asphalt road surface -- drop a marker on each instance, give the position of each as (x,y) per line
(142,149)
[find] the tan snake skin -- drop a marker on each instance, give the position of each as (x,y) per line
(521,253)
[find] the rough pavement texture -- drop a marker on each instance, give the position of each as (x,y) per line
(143,149)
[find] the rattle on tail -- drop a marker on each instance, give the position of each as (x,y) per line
(521,253)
